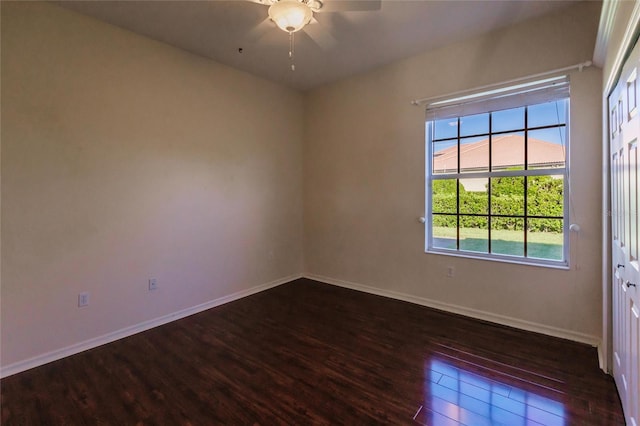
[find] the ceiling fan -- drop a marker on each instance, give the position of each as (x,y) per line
(292,16)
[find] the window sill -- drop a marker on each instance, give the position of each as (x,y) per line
(502,259)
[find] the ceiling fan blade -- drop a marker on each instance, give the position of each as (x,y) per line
(263,2)
(350,5)
(320,35)
(260,30)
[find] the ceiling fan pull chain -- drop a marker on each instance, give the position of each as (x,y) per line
(291,50)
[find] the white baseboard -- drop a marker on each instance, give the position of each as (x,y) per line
(57,354)
(48,357)
(469,312)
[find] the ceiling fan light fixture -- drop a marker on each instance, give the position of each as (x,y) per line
(290,15)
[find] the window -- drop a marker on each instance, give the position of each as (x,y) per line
(497,180)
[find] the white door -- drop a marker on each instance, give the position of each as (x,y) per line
(624,132)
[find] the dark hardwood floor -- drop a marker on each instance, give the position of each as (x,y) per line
(310,353)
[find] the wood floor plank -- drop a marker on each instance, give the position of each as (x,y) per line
(312,353)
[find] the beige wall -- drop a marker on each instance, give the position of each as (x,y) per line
(125,159)
(364,179)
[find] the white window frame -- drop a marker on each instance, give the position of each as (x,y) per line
(521,95)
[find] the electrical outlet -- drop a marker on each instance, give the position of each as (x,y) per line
(83,299)
(450,272)
(153,283)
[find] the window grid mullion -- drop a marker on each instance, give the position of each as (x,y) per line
(489,183)
(526,179)
(512,216)
(458,192)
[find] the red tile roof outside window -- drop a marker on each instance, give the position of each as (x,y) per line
(507,152)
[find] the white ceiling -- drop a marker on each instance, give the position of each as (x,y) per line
(363,40)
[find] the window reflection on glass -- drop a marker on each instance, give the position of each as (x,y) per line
(547,114)
(507,152)
(545,195)
(474,233)
(474,125)
(445,157)
(444,196)
(474,154)
(507,198)
(507,120)
(503,240)
(445,129)
(546,148)
(544,238)
(445,231)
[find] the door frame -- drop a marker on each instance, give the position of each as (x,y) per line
(632,30)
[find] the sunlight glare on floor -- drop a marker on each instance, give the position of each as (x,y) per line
(456,396)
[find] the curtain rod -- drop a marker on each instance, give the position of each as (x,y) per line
(579,67)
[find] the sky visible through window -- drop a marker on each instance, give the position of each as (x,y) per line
(546,114)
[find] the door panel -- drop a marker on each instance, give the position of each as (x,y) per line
(624,131)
